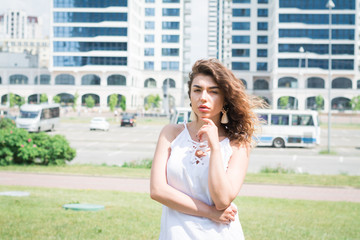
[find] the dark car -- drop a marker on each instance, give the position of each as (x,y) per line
(128,120)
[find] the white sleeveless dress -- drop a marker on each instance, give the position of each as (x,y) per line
(189,174)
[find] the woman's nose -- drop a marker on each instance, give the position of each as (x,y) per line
(204,95)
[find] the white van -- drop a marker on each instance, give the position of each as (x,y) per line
(181,114)
(36,118)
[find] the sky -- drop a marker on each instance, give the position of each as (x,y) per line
(198,31)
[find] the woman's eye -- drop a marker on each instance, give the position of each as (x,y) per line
(197,90)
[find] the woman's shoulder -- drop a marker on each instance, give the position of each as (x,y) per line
(236,146)
(171,131)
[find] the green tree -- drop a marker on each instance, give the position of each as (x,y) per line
(20,101)
(152,101)
(113,101)
(319,100)
(76,97)
(43,98)
(16,100)
(123,103)
(56,99)
(90,102)
(355,103)
(284,101)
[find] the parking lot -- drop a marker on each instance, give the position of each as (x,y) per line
(124,144)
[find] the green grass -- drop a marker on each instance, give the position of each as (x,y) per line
(325,152)
(136,216)
(342,180)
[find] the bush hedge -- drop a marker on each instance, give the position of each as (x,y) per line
(17,146)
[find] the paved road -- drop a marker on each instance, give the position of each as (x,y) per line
(142,185)
(121,145)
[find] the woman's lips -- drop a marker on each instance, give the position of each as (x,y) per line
(204,109)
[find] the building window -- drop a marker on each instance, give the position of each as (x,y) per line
(240,52)
(149,38)
(170,82)
(350,4)
(64,46)
(262,26)
(150,1)
(171,12)
(148,65)
(88,31)
(169,65)
(149,25)
(89,4)
(64,79)
(170,25)
(116,79)
(262,12)
(343,19)
(241,1)
(90,79)
(347,34)
(341,83)
(342,64)
(262,39)
(171,1)
(241,26)
(263,1)
(78,61)
(81,17)
(315,82)
(241,39)
(170,38)
(241,12)
(261,66)
(150,83)
(44,79)
(149,12)
(341,104)
(287,82)
(261,84)
(18,79)
(149,52)
(240,65)
(262,52)
(170,52)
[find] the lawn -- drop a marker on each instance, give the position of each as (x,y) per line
(265,178)
(136,216)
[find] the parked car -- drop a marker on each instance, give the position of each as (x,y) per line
(129,120)
(99,123)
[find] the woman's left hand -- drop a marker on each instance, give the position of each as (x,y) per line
(209,132)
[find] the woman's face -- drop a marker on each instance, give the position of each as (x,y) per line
(206,97)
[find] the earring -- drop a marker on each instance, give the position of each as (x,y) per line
(192,117)
(224,118)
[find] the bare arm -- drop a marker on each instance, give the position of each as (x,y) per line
(171,197)
(224,185)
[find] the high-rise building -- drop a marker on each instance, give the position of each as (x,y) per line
(20,33)
(130,48)
(280,49)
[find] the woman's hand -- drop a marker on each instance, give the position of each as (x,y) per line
(209,132)
(224,216)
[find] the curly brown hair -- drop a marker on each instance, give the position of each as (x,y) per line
(239,105)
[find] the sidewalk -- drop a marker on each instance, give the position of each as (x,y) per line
(142,185)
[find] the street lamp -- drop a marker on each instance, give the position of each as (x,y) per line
(330,4)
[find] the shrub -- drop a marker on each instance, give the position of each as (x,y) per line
(6,123)
(17,146)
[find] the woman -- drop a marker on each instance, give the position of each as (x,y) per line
(199,167)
